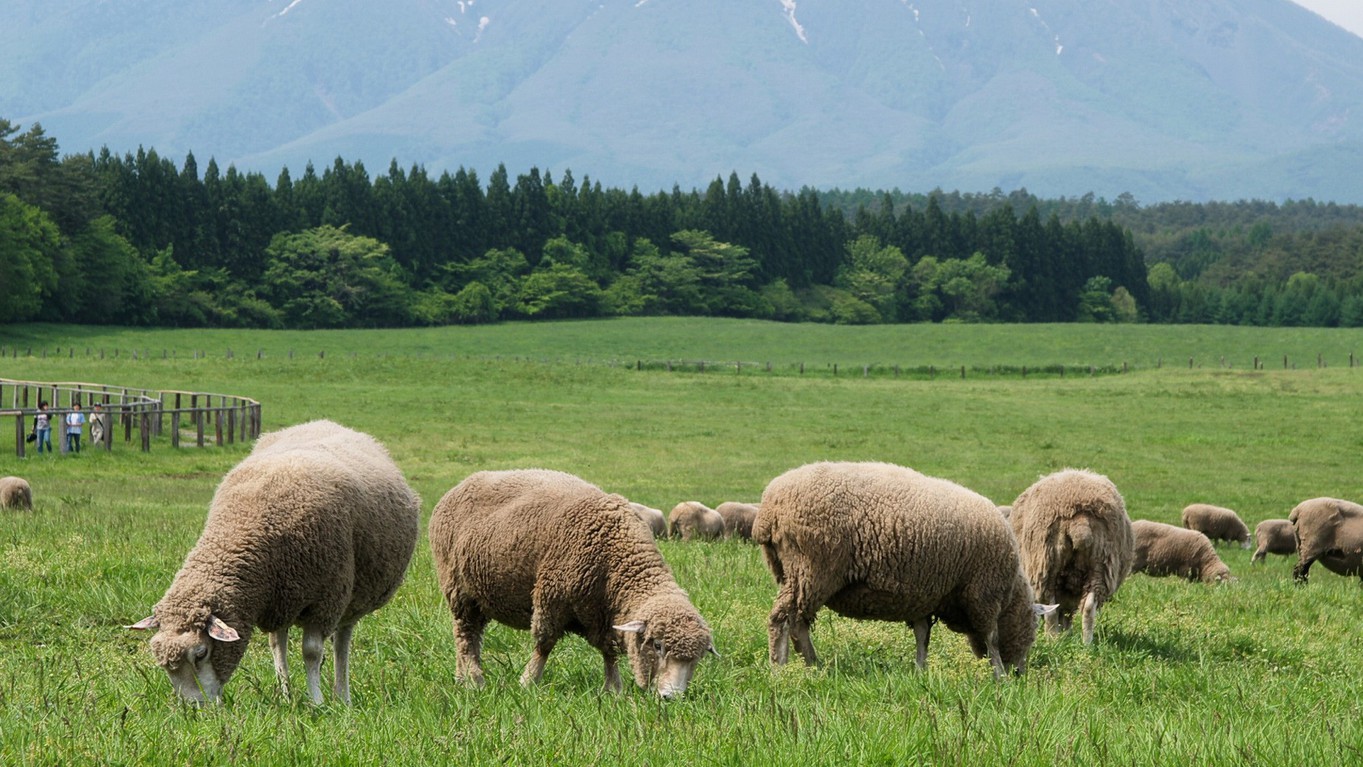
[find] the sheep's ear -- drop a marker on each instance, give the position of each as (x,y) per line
(713,651)
(1044,610)
(221,631)
(633,627)
(148,622)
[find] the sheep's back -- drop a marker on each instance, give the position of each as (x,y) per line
(1163,549)
(1073,531)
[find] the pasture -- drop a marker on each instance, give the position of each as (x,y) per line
(1256,672)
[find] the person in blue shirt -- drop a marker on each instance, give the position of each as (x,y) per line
(75,422)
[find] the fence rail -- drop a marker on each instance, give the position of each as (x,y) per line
(142,414)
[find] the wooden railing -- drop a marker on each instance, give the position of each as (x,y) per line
(143,413)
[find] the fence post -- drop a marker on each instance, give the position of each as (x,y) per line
(963,372)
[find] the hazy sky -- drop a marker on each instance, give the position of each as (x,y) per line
(1346,13)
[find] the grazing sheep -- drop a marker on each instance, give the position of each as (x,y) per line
(1171,550)
(1217,523)
(547,552)
(1274,536)
(15,493)
(1330,531)
(693,519)
(657,523)
(883,542)
(738,518)
(1075,539)
(314,528)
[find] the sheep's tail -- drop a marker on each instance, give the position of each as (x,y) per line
(762,535)
(1080,532)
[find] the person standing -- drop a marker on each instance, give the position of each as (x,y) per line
(75,421)
(42,427)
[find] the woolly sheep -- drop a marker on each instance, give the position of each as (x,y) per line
(1006,511)
(883,542)
(1171,550)
(738,518)
(657,523)
(548,552)
(314,528)
(15,493)
(1274,536)
(1217,523)
(693,519)
(1075,539)
(1329,531)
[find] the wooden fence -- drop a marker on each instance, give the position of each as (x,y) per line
(146,413)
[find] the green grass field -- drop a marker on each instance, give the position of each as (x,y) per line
(1255,672)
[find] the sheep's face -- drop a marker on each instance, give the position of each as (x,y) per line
(199,661)
(1217,573)
(1017,631)
(664,653)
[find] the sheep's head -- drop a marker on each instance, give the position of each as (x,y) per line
(664,646)
(1217,572)
(199,652)
(1017,631)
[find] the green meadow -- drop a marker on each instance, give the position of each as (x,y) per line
(1260,671)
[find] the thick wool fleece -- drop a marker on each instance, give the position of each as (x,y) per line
(694,520)
(548,552)
(314,528)
(1075,538)
(15,493)
(1274,536)
(884,542)
(1216,522)
(1171,550)
(1329,531)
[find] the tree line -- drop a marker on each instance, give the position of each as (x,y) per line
(138,239)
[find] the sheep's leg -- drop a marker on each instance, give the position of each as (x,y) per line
(279,648)
(991,648)
(1089,606)
(800,627)
(469,623)
(534,670)
(1302,571)
(778,625)
(314,644)
(922,632)
(1260,555)
(340,645)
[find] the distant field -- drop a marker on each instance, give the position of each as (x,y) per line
(627,340)
(1256,672)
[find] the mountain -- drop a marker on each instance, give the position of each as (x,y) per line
(1164,99)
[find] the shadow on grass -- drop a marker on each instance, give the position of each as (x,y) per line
(1147,646)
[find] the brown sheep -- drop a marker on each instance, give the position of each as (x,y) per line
(1217,523)
(693,519)
(15,493)
(1171,550)
(1329,531)
(738,518)
(1076,544)
(1274,536)
(550,553)
(875,541)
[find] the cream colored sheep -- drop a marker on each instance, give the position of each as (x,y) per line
(1076,544)
(738,518)
(882,542)
(315,528)
(1274,536)
(547,552)
(15,493)
(1171,550)
(694,520)
(1217,523)
(1329,531)
(653,518)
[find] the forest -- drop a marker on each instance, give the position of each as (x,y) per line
(138,239)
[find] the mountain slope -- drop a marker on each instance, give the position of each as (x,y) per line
(1166,99)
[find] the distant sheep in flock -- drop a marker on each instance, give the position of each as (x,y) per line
(314,528)
(1274,536)
(548,552)
(883,542)
(1076,544)
(657,523)
(693,519)
(738,518)
(1217,523)
(1329,531)
(1171,550)
(15,493)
